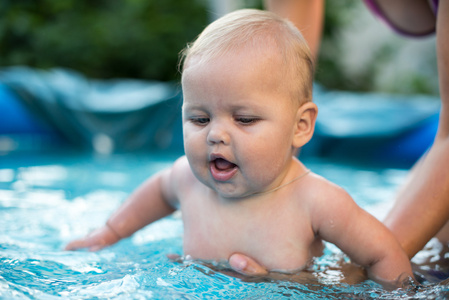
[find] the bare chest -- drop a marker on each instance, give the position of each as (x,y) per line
(277,236)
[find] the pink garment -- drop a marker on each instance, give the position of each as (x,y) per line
(377,10)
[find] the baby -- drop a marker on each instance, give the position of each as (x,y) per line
(247,84)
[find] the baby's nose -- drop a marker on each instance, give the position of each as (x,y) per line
(218,133)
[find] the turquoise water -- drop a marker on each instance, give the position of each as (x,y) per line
(46,200)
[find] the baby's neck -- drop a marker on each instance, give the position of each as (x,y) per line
(306,172)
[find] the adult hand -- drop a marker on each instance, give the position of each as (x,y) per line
(246,265)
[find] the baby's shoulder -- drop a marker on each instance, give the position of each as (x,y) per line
(181,174)
(317,182)
(326,201)
(318,190)
(176,180)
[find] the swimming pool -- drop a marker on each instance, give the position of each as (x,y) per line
(47,199)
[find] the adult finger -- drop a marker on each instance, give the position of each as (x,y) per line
(246,265)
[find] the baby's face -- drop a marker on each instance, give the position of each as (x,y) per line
(238,123)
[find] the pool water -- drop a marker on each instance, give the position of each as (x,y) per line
(48,199)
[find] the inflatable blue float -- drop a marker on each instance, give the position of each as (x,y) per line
(128,115)
(396,129)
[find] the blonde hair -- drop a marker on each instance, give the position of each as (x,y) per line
(261,29)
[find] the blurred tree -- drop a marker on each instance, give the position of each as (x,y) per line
(101,38)
(142,39)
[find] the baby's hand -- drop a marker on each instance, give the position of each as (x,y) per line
(96,240)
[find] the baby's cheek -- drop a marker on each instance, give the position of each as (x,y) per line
(192,147)
(198,165)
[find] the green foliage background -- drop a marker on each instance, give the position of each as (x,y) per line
(100,38)
(142,38)
(128,38)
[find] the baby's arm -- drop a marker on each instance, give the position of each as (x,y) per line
(339,220)
(153,200)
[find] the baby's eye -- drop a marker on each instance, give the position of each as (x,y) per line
(247,120)
(200,121)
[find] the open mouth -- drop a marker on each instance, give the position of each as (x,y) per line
(222,170)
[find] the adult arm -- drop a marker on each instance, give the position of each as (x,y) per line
(306,15)
(422,206)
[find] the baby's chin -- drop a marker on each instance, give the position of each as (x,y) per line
(238,196)
(224,191)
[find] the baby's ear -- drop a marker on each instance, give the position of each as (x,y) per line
(305,124)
